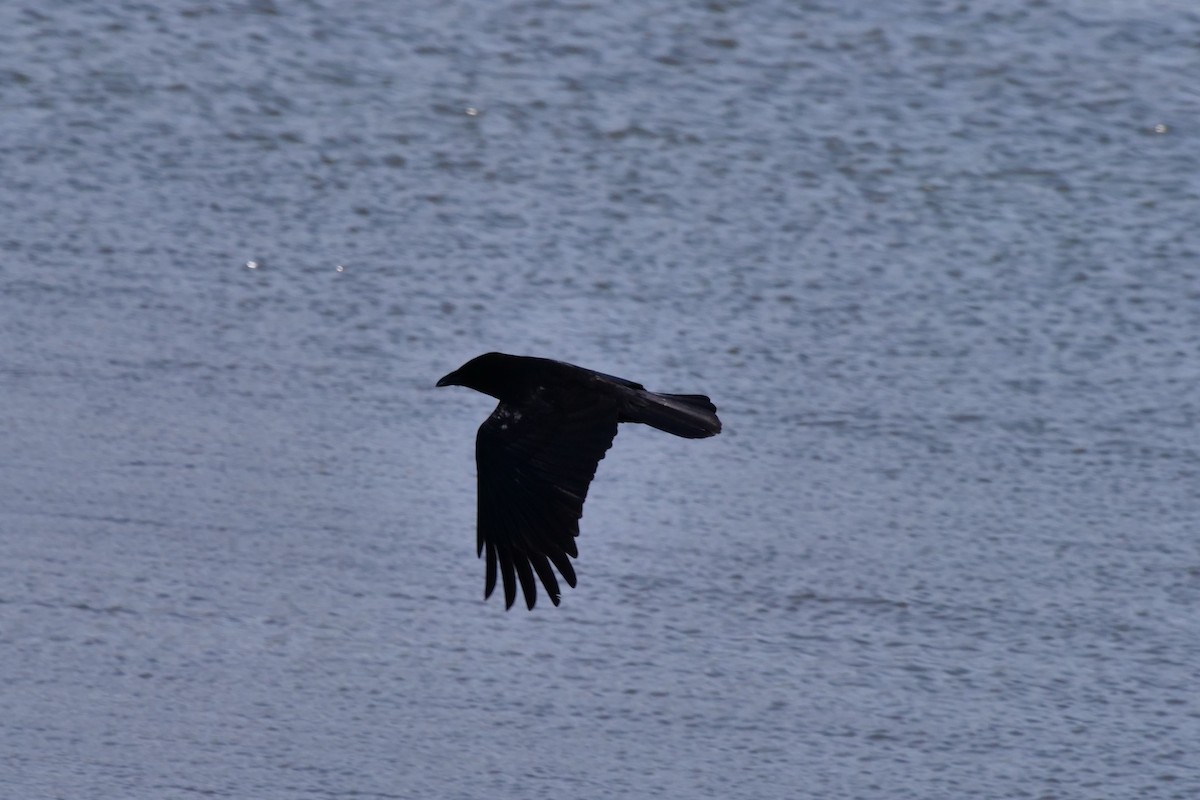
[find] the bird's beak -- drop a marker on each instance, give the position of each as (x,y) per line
(449,380)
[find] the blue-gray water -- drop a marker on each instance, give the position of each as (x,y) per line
(936,262)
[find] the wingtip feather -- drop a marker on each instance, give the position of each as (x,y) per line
(489,584)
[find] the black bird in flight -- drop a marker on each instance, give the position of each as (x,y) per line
(538,451)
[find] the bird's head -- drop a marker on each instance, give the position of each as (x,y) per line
(483,373)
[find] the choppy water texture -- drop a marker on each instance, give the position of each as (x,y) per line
(935,261)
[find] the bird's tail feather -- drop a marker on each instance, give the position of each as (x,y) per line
(692,416)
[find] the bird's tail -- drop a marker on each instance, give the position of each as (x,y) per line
(692,416)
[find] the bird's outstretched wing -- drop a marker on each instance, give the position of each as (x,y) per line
(535,462)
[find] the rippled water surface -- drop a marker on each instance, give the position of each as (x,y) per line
(937,264)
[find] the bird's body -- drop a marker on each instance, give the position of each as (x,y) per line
(538,451)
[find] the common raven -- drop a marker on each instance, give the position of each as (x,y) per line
(538,451)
